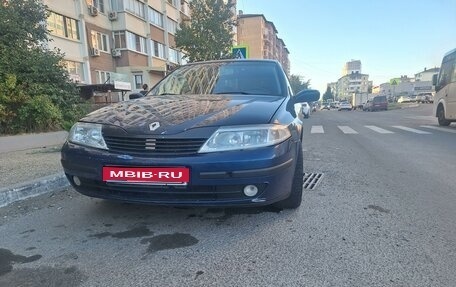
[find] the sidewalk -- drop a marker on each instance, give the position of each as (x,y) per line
(30,165)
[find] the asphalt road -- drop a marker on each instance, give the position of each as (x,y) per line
(383,215)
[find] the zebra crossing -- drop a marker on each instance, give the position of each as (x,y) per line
(422,130)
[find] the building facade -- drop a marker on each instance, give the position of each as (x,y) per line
(260,36)
(131,41)
(351,82)
(351,67)
(426,75)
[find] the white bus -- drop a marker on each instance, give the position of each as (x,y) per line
(445,90)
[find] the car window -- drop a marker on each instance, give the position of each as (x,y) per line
(261,78)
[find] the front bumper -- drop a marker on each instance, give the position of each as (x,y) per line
(216,179)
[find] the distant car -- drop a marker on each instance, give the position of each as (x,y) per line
(345,106)
(305,110)
(378,103)
(404,99)
(326,107)
(425,98)
(219,133)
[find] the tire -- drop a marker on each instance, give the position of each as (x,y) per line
(295,198)
(441,117)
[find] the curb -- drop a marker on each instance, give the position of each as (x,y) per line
(52,183)
(410,106)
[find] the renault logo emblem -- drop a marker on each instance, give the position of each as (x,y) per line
(153,126)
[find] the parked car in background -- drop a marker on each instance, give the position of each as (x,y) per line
(326,106)
(233,138)
(404,99)
(378,103)
(314,107)
(427,98)
(345,106)
(305,109)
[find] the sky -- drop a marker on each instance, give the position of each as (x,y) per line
(390,37)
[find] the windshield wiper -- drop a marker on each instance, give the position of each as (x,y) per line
(236,92)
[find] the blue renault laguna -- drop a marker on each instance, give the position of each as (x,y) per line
(219,133)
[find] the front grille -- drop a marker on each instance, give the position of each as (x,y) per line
(154,146)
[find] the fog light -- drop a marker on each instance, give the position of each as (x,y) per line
(77,181)
(250,190)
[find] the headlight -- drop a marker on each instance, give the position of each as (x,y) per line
(245,137)
(87,134)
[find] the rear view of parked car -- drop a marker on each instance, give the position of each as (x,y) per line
(378,103)
(345,106)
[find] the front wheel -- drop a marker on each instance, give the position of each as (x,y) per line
(441,117)
(295,198)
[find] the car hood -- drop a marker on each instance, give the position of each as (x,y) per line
(173,114)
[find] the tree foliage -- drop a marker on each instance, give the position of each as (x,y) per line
(297,84)
(35,91)
(328,95)
(209,35)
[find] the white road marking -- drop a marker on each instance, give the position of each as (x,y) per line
(317,130)
(448,130)
(412,130)
(347,130)
(379,130)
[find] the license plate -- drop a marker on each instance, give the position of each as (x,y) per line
(149,175)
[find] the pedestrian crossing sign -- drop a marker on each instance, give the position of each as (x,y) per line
(395,81)
(240,52)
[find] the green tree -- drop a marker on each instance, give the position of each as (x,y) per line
(297,84)
(209,34)
(28,69)
(328,95)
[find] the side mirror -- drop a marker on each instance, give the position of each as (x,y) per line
(136,96)
(434,79)
(307,96)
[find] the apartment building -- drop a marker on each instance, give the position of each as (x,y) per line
(353,66)
(260,36)
(426,74)
(124,41)
(352,81)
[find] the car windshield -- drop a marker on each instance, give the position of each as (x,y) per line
(230,77)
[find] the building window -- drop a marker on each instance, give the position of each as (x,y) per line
(119,40)
(174,56)
(158,49)
(63,26)
(100,41)
(173,2)
(136,43)
(172,26)
(138,81)
(103,77)
(155,17)
(74,70)
(134,6)
(97,3)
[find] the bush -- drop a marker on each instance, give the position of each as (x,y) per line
(39,114)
